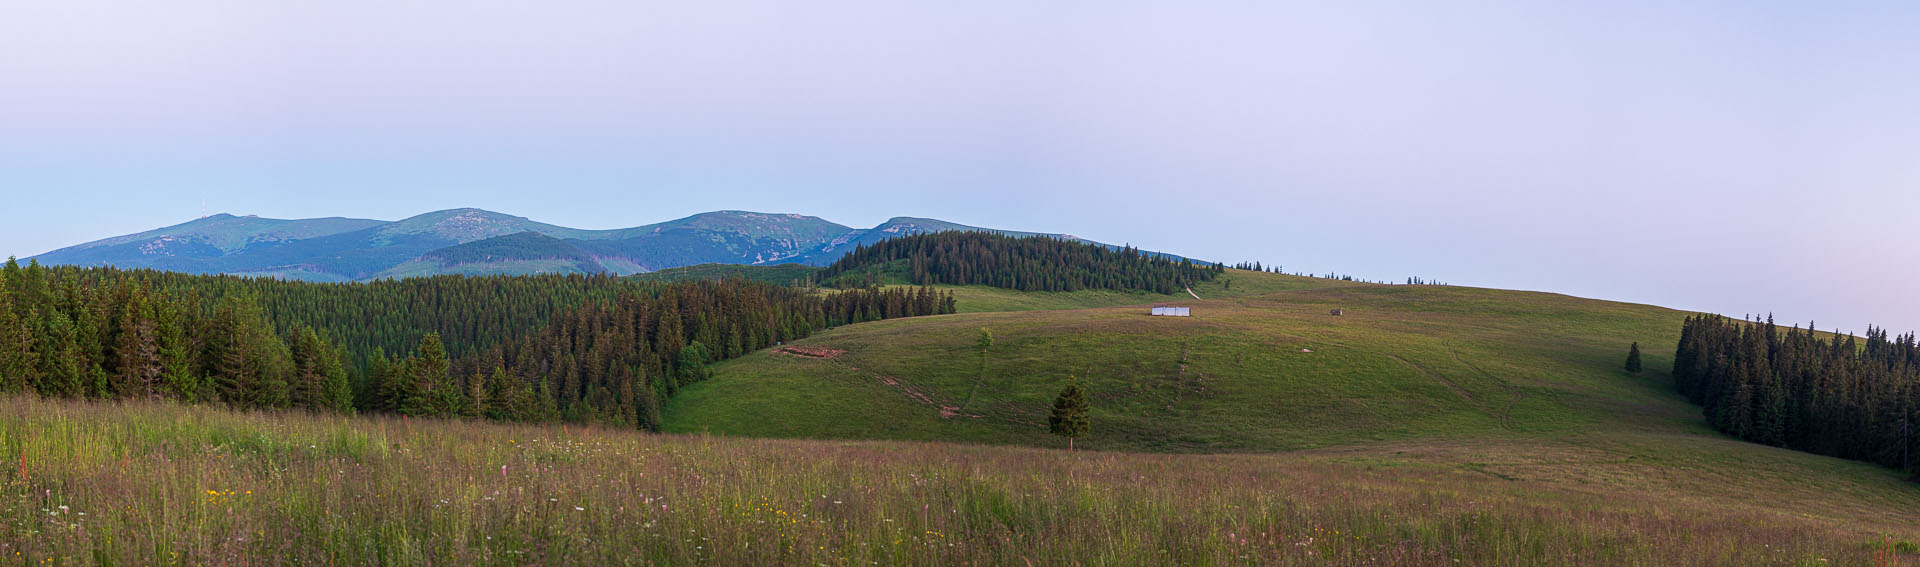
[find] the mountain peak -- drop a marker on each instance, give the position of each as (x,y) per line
(463,225)
(345,249)
(463,212)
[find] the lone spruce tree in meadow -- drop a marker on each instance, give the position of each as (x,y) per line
(1633,358)
(1069,417)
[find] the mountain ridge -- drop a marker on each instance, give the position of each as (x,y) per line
(342,249)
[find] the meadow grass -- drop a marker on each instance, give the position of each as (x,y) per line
(159,484)
(1264,371)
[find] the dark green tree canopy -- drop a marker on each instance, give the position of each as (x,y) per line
(1069,418)
(525,348)
(1795,388)
(1035,263)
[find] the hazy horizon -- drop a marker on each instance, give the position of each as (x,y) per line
(1726,157)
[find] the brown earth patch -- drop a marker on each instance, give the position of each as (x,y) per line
(811,352)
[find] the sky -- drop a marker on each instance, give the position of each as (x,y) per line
(1734,157)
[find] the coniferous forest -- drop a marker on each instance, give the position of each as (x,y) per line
(524,348)
(1793,388)
(1035,263)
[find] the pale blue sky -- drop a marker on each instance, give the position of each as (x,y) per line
(1726,156)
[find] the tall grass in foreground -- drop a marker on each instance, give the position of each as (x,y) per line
(152,484)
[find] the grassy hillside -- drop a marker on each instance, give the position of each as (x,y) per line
(1236,284)
(1517,386)
(99,484)
(1405,362)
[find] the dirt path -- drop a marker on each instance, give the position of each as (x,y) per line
(1506,413)
(832,356)
(1190,292)
(810,352)
(1455,386)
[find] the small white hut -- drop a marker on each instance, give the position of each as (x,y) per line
(1163,310)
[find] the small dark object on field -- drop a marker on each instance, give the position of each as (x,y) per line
(1337,312)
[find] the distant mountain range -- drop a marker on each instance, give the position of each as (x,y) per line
(475,241)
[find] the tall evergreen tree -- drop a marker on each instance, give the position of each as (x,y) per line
(425,373)
(1633,358)
(1069,418)
(141,365)
(16,346)
(381,389)
(59,356)
(336,390)
(175,348)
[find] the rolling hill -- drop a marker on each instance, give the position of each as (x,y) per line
(1524,387)
(1262,366)
(339,249)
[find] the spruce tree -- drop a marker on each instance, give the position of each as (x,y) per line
(1633,358)
(1069,417)
(336,389)
(16,347)
(176,353)
(424,374)
(59,357)
(307,380)
(379,391)
(141,365)
(477,402)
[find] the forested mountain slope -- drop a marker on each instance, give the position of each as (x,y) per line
(335,249)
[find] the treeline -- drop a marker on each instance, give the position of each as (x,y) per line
(615,363)
(470,313)
(1795,389)
(1035,263)
(105,333)
(111,337)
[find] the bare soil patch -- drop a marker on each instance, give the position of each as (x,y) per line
(811,352)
